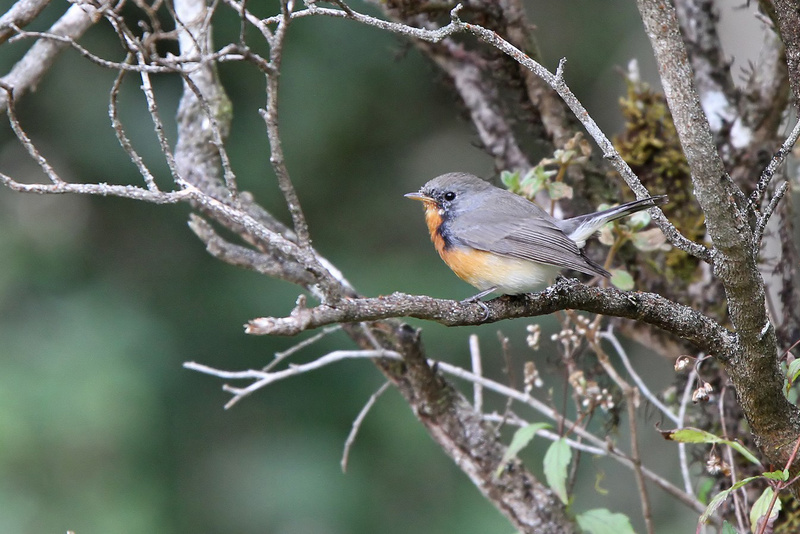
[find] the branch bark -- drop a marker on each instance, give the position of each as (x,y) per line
(753,367)
(677,319)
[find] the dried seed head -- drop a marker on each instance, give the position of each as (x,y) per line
(683,362)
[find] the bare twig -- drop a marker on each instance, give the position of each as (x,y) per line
(682,459)
(351,437)
(640,384)
(280,356)
(122,137)
(741,494)
(477,368)
(270,116)
(761,224)
(20,14)
(31,68)
(631,402)
(777,159)
(262,379)
(554,415)
(26,142)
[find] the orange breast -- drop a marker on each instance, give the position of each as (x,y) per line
(483,269)
(434,221)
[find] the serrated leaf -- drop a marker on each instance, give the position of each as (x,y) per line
(621,279)
(648,240)
(603,521)
(559,190)
(758,511)
(556,462)
(695,435)
(720,497)
(521,438)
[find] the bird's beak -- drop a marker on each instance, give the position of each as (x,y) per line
(417,195)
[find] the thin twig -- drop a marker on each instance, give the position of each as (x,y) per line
(781,486)
(122,137)
(682,457)
(29,70)
(270,116)
(553,415)
(263,379)
(158,125)
(740,495)
(280,356)
(777,159)
(761,224)
(477,368)
(623,356)
(513,419)
(351,437)
(33,152)
(631,401)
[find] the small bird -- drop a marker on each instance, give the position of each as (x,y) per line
(498,241)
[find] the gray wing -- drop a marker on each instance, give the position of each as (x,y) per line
(536,238)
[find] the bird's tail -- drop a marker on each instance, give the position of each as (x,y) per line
(580,228)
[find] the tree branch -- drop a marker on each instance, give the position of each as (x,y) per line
(753,368)
(564,294)
(20,14)
(31,68)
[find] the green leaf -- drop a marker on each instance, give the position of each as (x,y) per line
(521,438)
(638,220)
(720,497)
(556,463)
(758,511)
(603,521)
(534,180)
(727,528)
(510,180)
(777,475)
(606,234)
(695,435)
(649,240)
(704,490)
(621,279)
(559,190)
(793,372)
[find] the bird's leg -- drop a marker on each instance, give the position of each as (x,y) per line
(476,299)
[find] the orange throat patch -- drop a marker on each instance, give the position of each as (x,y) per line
(434,221)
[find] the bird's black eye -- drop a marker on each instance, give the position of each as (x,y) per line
(449,196)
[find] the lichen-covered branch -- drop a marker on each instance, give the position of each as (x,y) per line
(564,294)
(754,367)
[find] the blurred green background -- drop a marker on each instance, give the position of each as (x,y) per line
(102,300)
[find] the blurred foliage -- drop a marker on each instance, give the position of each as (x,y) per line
(102,300)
